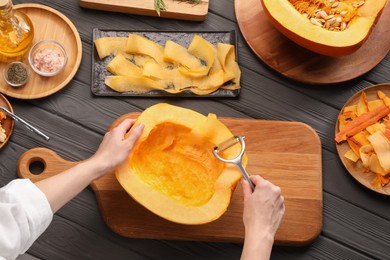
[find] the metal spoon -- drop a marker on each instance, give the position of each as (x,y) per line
(25,123)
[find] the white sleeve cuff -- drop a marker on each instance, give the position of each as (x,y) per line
(30,209)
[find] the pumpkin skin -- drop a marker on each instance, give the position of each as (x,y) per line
(172,171)
(299,29)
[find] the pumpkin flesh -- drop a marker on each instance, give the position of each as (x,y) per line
(172,170)
(293,19)
(180,165)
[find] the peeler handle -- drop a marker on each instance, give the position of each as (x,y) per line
(238,162)
(246,176)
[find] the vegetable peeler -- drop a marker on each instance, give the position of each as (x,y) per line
(238,160)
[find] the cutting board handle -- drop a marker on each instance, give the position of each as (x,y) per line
(41,163)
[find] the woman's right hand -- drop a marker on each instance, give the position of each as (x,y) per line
(263,213)
(264,207)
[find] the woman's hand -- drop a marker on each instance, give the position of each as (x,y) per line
(264,208)
(115,148)
(263,212)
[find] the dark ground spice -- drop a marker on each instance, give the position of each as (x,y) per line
(17,73)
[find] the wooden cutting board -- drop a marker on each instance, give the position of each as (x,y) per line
(174,8)
(286,153)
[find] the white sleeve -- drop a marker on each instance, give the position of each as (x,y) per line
(24,214)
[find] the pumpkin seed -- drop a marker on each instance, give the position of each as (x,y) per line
(335,4)
(315,22)
(358,4)
(343,26)
(324,15)
(333,19)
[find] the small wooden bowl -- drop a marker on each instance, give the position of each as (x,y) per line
(8,123)
(356,169)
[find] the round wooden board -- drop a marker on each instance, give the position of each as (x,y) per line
(48,24)
(356,169)
(8,123)
(299,64)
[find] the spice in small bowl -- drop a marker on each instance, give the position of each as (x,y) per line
(47,58)
(16,74)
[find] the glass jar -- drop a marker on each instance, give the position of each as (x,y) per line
(16,31)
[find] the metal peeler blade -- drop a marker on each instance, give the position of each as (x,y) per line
(238,160)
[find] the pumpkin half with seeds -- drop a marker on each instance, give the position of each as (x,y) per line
(172,170)
(328,27)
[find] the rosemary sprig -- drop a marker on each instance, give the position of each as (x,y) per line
(194,2)
(159,5)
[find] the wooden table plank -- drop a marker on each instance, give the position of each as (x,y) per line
(26,256)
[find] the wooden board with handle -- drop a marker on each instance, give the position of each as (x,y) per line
(175,9)
(286,153)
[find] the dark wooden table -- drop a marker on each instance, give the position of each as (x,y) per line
(355,220)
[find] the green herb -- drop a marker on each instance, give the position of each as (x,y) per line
(17,74)
(194,2)
(159,5)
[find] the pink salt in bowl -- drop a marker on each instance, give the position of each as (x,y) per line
(47,58)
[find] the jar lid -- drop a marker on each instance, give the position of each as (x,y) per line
(4,3)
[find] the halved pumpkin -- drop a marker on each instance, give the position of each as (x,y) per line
(172,170)
(301,22)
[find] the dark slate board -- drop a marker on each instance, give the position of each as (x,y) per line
(99,71)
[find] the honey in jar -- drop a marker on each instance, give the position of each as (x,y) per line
(16,31)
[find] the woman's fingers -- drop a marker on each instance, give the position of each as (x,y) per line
(246,189)
(135,133)
(125,125)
